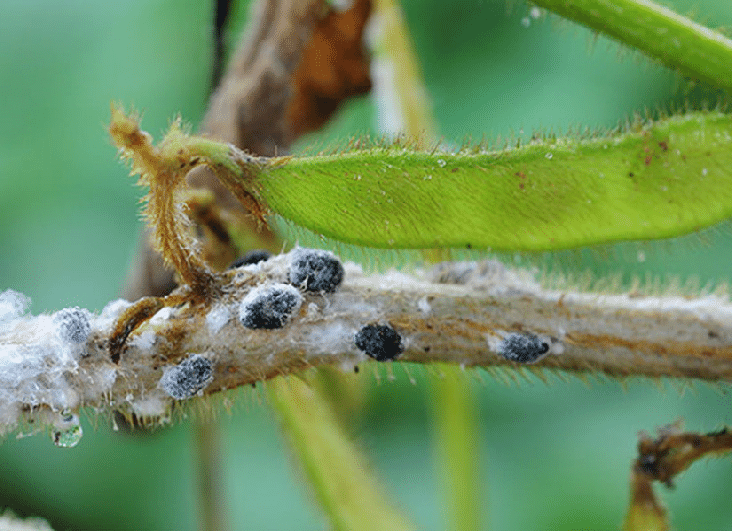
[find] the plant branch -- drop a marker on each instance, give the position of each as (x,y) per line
(462,324)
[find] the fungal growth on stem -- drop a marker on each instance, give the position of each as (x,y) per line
(380,342)
(187,378)
(269,307)
(522,348)
(315,270)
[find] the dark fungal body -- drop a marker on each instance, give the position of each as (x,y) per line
(316,270)
(380,342)
(269,307)
(252,257)
(522,347)
(187,378)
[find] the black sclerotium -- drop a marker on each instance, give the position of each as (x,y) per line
(269,307)
(380,342)
(187,378)
(252,257)
(72,325)
(315,270)
(522,348)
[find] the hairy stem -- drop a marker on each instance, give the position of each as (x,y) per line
(462,324)
(676,41)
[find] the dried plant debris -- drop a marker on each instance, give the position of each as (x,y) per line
(289,74)
(294,65)
(334,67)
(661,459)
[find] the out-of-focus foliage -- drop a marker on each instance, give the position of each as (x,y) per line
(555,457)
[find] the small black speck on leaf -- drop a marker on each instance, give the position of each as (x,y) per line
(522,348)
(269,307)
(380,342)
(252,257)
(187,378)
(72,325)
(316,270)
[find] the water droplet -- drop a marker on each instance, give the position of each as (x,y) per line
(67,431)
(441,163)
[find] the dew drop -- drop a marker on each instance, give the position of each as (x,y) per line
(67,432)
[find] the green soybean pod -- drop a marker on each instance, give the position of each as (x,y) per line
(656,180)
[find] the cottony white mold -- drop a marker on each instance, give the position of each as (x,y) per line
(217,318)
(12,304)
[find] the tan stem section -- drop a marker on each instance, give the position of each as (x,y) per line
(618,335)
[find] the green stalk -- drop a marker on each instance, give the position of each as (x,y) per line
(340,478)
(676,41)
(457,452)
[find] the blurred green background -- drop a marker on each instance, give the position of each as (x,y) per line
(554,457)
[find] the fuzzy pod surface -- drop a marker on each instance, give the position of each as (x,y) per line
(655,180)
